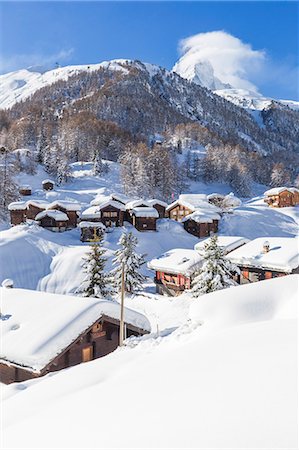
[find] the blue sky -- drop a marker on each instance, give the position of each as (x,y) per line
(88,32)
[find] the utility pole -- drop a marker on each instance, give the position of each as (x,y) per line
(122,301)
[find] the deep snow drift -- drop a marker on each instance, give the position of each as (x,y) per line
(225,379)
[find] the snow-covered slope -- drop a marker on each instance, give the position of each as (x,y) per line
(19,85)
(225,379)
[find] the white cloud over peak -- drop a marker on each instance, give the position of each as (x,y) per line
(233,61)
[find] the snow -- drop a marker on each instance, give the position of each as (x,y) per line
(91,213)
(201,216)
(47,180)
(25,186)
(121,198)
(85,224)
(194,202)
(21,84)
(232,368)
(145,212)
(135,203)
(155,201)
(69,206)
(178,260)
(38,203)
(276,191)
(39,326)
(16,206)
(113,203)
(282,256)
(227,243)
(53,214)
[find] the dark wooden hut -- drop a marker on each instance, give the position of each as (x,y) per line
(48,185)
(17,212)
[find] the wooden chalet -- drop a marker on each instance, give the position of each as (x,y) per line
(159,206)
(91,214)
(44,333)
(144,218)
(201,223)
(34,207)
(17,212)
(187,204)
(91,230)
(71,209)
(112,213)
(136,203)
(281,197)
(25,190)
(175,270)
(48,185)
(53,220)
(265,258)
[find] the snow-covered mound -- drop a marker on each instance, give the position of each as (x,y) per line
(201,386)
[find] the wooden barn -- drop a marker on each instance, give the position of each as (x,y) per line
(25,190)
(48,185)
(281,197)
(44,333)
(175,270)
(201,223)
(34,207)
(91,230)
(71,209)
(265,258)
(160,206)
(53,220)
(136,203)
(112,213)
(17,212)
(144,218)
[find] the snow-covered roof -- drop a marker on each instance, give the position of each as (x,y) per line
(193,199)
(53,213)
(25,186)
(145,212)
(276,191)
(283,254)
(155,201)
(48,181)
(113,203)
(122,198)
(15,206)
(198,204)
(86,224)
(39,325)
(91,213)
(38,203)
(134,203)
(178,261)
(293,189)
(227,243)
(202,216)
(215,195)
(69,206)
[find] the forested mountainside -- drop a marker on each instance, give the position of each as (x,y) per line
(115,112)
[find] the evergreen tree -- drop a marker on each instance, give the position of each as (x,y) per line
(98,167)
(126,256)
(280,176)
(8,187)
(216,272)
(96,282)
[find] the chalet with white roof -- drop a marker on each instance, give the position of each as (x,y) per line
(71,209)
(25,190)
(52,220)
(42,332)
(112,213)
(265,258)
(174,270)
(17,212)
(227,243)
(48,185)
(186,204)
(159,205)
(34,207)
(90,231)
(201,223)
(280,197)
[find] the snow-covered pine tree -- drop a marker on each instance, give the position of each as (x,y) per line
(98,167)
(216,272)
(8,188)
(132,262)
(96,282)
